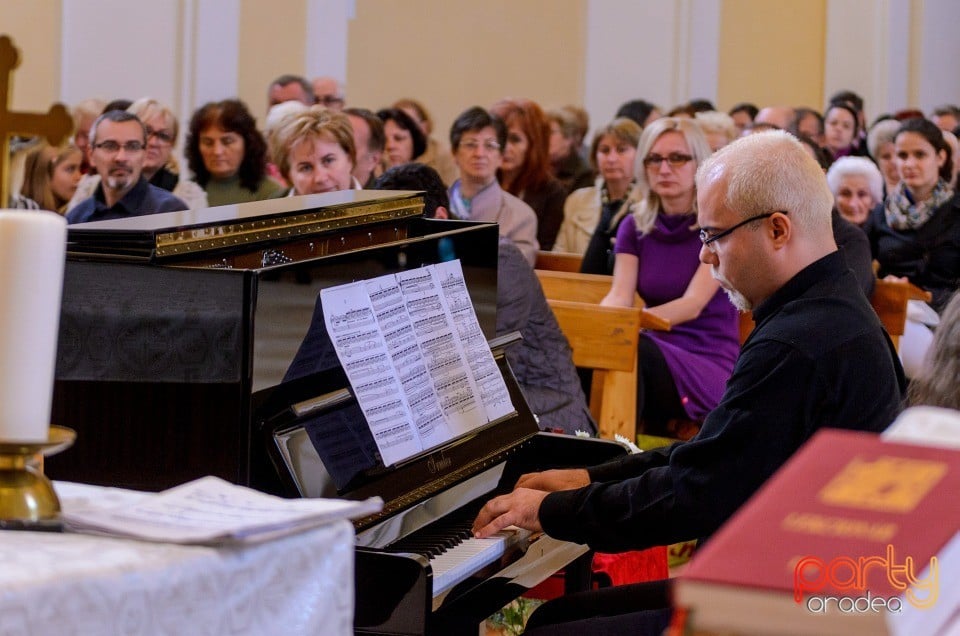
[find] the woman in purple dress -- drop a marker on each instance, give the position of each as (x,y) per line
(682,371)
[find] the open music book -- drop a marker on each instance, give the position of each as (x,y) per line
(208,511)
(416,358)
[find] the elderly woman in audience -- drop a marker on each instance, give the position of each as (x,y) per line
(566,135)
(881,147)
(160,167)
(719,128)
(682,371)
(314,151)
(841,130)
(588,213)
(405,139)
(857,187)
(227,154)
(51,175)
(525,171)
(437,155)
(915,233)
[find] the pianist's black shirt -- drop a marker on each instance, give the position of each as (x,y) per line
(817,357)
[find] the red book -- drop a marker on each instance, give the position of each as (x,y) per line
(839,540)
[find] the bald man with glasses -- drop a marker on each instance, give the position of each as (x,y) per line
(118,140)
(818,357)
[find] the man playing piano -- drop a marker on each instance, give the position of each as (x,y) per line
(817,357)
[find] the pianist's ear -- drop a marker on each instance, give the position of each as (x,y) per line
(441,213)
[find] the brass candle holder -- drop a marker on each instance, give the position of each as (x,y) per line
(27,498)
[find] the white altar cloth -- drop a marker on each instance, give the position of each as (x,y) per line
(53,583)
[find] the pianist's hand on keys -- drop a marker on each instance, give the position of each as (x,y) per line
(520,508)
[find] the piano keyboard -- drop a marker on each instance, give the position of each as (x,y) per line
(453,551)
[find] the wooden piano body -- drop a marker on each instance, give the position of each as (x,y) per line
(175,365)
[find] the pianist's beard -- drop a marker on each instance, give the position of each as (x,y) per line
(737,299)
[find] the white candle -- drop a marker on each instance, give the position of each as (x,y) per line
(32,252)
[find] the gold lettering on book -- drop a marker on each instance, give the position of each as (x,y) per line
(889,484)
(811,523)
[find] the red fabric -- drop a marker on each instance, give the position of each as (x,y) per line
(632,567)
(612,569)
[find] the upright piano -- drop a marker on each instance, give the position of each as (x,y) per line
(192,343)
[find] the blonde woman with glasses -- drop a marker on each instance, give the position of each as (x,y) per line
(682,371)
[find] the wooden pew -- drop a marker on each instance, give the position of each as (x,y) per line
(559,261)
(603,339)
(889,300)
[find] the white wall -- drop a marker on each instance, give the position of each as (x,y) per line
(663,52)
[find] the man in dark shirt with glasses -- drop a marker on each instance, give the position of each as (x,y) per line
(818,357)
(117,143)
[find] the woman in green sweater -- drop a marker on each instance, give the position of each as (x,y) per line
(227,154)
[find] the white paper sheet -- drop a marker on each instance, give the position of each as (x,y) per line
(412,348)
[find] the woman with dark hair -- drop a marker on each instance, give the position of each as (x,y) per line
(640,111)
(227,154)
(525,171)
(437,156)
(915,232)
(405,139)
(841,130)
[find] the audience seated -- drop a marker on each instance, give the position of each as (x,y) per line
(780,117)
(314,151)
(51,175)
(786,386)
(743,114)
(946,117)
(525,171)
(841,128)
(915,233)
(369,141)
(639,110)
(937,383)
(117,141)
(227,154)
(160,167)
(588,212)
(437,156)
(682,371)
(84,113)
(276,114)
(566,137)
(404,138)
(881,148)
(810,123)
(857,187)
(541,362)
(718,127)
(329,92)
(290,88)
(477,138)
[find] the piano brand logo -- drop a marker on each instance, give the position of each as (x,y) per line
(438,462)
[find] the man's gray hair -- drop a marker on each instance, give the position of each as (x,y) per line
(116,116)
(771,171)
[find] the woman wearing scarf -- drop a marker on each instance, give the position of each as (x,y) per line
(915,232)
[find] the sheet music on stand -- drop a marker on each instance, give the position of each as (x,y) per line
(416,358)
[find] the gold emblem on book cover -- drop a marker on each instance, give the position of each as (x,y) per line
(890,484)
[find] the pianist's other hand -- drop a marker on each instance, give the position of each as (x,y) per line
(553,480)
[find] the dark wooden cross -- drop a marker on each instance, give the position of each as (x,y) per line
(55,125)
